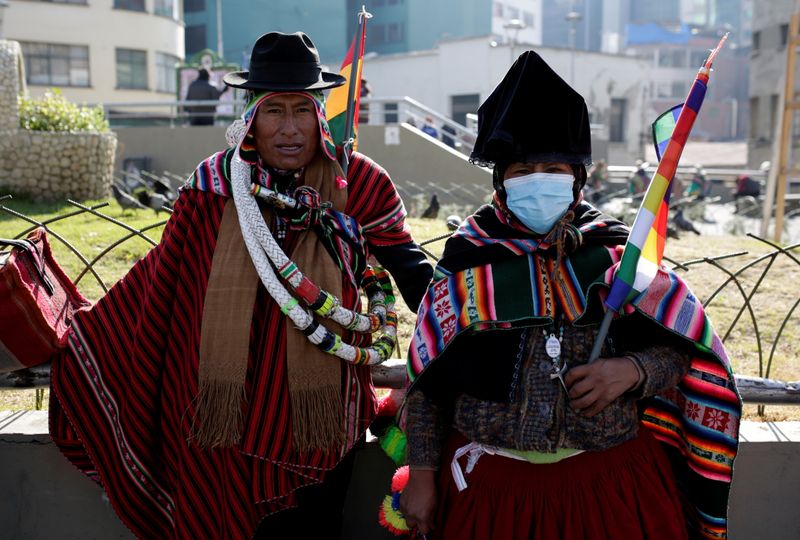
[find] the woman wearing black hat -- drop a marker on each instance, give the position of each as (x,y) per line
(511,434)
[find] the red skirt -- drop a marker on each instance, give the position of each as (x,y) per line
(627,492)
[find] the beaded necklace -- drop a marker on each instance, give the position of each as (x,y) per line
(265,252)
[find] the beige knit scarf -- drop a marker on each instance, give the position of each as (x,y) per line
(314,377)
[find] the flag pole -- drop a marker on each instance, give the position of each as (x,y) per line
(355,72)
(605,325)
(667,166)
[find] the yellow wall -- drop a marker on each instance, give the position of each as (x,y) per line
(102,28)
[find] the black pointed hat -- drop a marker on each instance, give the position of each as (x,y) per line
(533,115)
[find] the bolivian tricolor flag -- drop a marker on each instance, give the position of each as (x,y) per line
(336,107)
(645,246)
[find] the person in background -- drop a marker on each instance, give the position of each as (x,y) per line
(448,135)
(639,179)
(201,89)
(746,186)
(699,187)
(429,129)
(598,177)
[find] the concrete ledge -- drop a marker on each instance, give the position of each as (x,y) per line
(45,497)
(766,482)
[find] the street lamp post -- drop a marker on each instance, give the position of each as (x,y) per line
(220,46)
(516,25)
(572,18)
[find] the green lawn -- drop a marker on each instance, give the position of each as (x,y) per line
(776,297)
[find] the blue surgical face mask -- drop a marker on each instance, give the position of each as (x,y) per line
(539,200)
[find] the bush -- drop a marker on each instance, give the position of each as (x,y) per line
(53,112)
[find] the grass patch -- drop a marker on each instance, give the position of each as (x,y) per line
(89,235)
(776,294)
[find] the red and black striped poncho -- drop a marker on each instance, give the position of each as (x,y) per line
(123,389)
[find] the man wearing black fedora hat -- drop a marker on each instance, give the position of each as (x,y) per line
(185,391)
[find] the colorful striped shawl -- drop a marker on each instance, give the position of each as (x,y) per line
(386,228)
(699,418)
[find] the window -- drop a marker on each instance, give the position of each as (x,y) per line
(390,113)
(678,89)
(527,18)
(512,12)
(195,38)
(378,36)
(193,6)
(498,9)
(167,8)
(784,34)
(774,118)
(697,58)
(76,2)
(50,64)
(756,41)
(616,120)
(753,117)
(394,32)
(671,58)
(131,68)
(132,5)
(165,72)
(663,90)
(462,105)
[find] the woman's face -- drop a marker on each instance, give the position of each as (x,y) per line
(521,169)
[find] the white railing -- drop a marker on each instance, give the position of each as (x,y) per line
(379,111)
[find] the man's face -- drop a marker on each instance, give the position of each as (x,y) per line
(286,131)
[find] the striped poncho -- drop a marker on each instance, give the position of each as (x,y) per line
(123,390)
(698,420)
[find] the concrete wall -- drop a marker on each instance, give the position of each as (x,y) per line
(45,497)
(418,165)
(472,66)
(43,165)
(57,166)
(421,167)
(11,84)
(174,149)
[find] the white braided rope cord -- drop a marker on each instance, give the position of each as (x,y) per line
(316,333)
(323,303)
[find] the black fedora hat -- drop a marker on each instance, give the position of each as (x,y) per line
(284,62)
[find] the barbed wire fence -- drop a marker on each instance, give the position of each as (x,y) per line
(738,292)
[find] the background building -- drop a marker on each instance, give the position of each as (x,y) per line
(674,58)
(398,25)
(415,25)
(770,35)
(243,21)
(574,23)
(99,51)
(613,86)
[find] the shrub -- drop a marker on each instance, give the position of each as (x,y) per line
(52,112)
